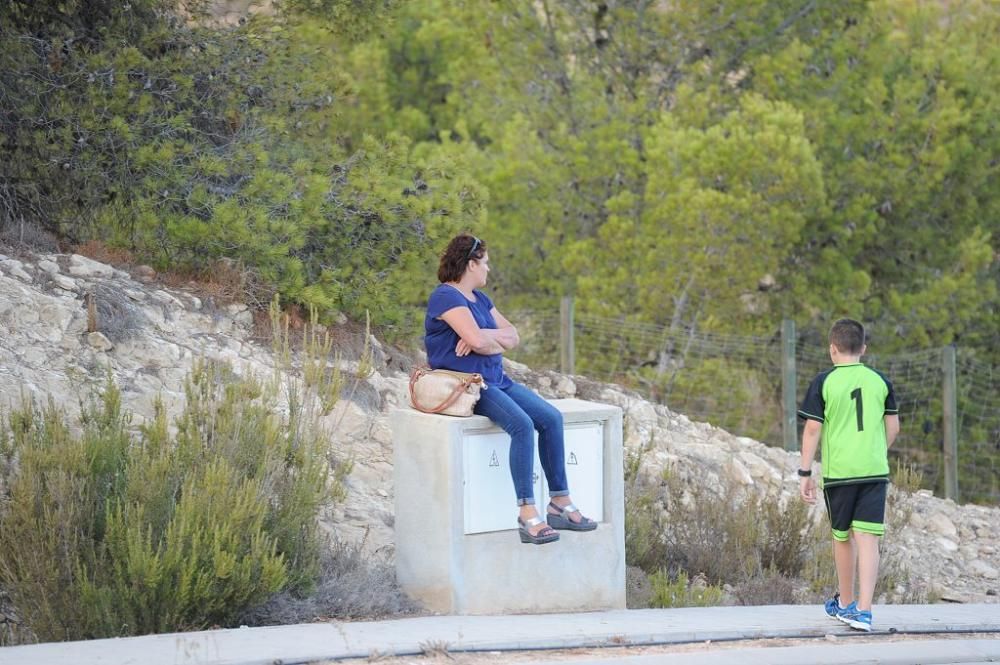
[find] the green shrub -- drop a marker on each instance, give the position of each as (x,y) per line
(728,534)
(104,532)
(680,592)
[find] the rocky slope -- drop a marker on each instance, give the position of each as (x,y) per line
(149,337)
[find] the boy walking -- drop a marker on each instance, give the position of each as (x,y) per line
(851,411)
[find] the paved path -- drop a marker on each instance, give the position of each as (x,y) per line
(924,652)
(311,642)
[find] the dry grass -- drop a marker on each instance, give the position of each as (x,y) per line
(103,253)
(113,313)
(24,238)
(354,584)
(763,549)
(224,283)
(727,533)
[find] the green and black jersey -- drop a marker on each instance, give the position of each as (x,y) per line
(851,401)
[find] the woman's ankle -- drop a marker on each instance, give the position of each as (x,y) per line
(527,511)
(561,501)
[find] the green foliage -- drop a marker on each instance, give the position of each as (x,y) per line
(680,592)
(731,199)
(107,533)
(895,102)
(655,160)
(727,534)
(351,19)
(186,145)
(711,167)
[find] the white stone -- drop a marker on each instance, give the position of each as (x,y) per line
(99,341)
(566,386)
(65,283)
(983,569)
(50,267)
(15,269)
(940,524)
(918,521)
(244,318)
(144,273)
(165,298)
(81,266)
(758,468)
(946,545)
(738,473)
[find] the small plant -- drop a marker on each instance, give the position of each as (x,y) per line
(907,478)
(353,584)
(769,587)
(436,649)
(681,592)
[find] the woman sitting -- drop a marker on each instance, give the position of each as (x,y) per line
(464,332)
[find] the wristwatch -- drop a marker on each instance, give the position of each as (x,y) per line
(805,473)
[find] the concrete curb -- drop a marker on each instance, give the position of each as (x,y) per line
(331,641)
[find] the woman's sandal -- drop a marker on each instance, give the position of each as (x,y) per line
(561,519)
(544,535)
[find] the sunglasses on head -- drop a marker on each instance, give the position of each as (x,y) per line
(475,246)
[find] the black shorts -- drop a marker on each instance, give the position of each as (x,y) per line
(860,507)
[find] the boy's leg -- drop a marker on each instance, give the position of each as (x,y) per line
(845,554)
(840,508)
(867,568)
(868,525)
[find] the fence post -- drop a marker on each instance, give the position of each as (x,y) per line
(949,400)
(567,345)
(789,429)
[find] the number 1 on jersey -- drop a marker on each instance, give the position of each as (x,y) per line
(856,396)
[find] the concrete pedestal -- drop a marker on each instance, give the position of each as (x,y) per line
(457,548)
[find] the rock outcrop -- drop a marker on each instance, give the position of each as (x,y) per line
(65,321)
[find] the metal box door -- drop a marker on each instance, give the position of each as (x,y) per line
(584,444)
(490,503)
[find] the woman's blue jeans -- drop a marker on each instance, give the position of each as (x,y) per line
(519,411)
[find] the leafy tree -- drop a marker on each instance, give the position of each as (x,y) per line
(723,206)
(897,105)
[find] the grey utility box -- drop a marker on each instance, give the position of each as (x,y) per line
(457,549)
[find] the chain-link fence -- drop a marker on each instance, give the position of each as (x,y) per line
(735,382)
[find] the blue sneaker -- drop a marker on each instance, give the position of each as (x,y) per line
(833,607)
(847,611)
(857,619)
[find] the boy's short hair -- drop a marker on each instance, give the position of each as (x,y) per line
(848,336)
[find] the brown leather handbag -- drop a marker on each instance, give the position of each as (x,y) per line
(444,391)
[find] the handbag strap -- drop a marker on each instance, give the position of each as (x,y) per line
(448,401)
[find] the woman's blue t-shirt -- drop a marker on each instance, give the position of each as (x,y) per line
(440,339)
